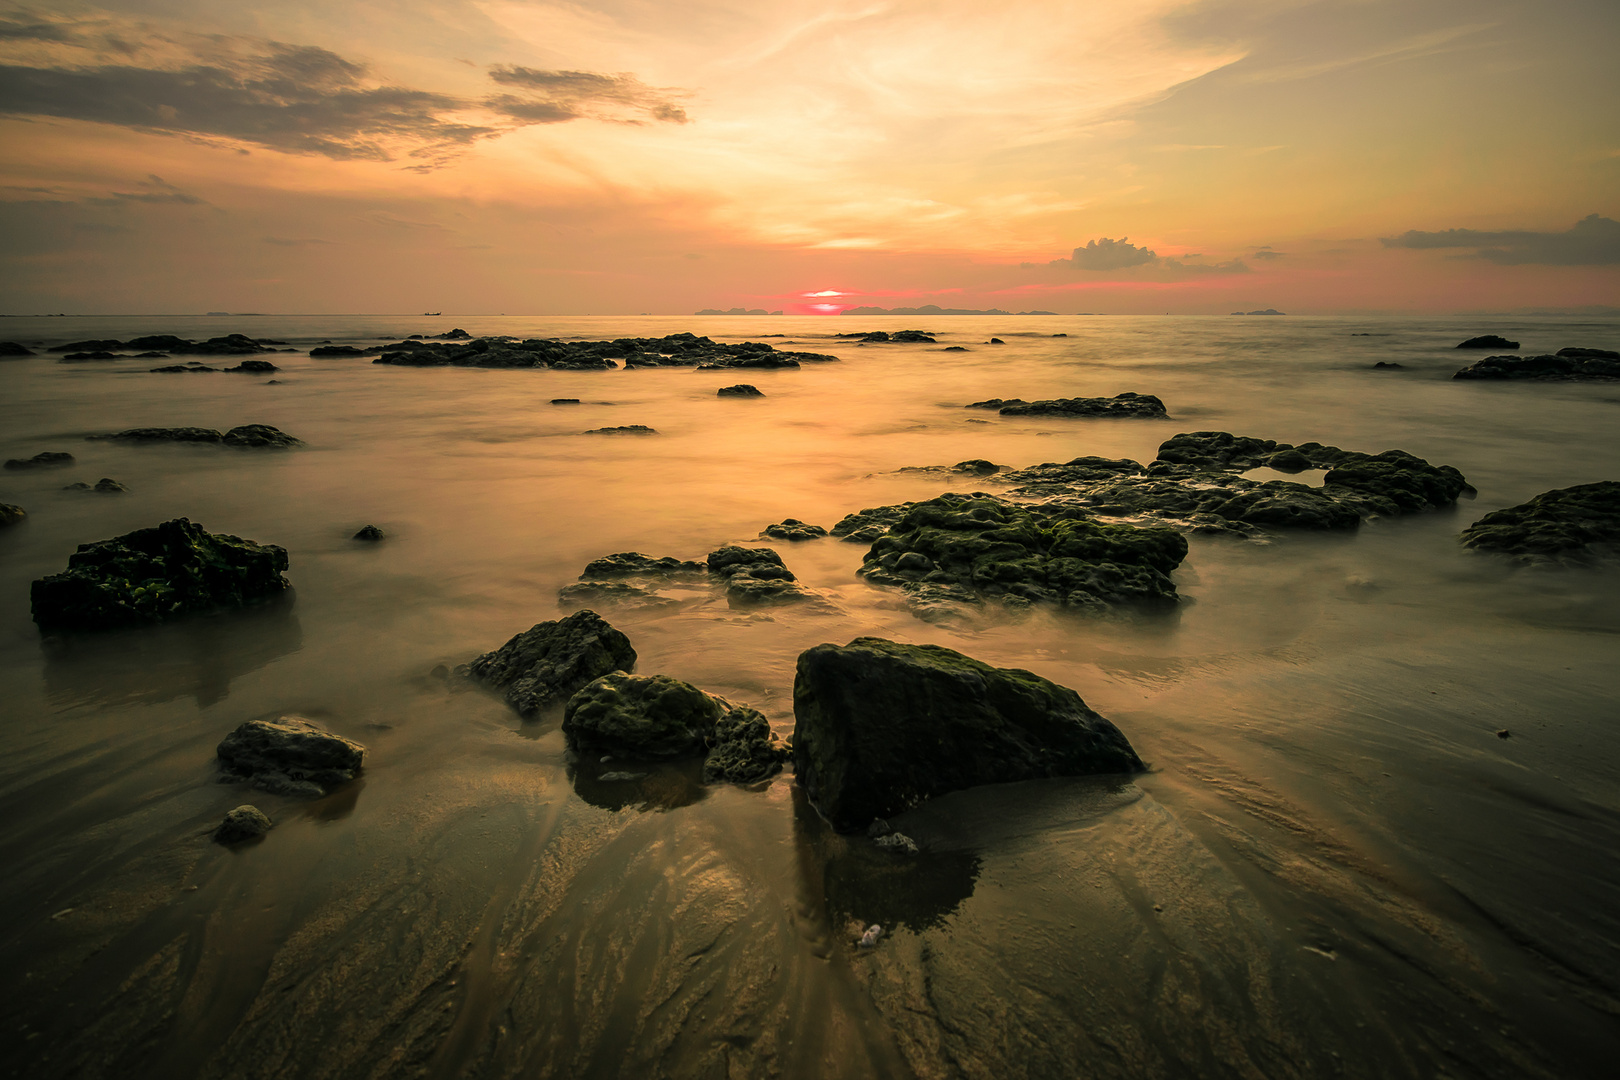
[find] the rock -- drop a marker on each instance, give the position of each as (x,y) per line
(995,341)
(260,435)
(1504,733)
(1127,405)
(180,369)
(871,936)
(732,559)
(935,602)
(289,756)
(655,717)
(613,594)
(899,843)
(1387,365)
(179,434)
(955,348)
(793,529)
(254,367)
(1557,368)
(767,362)
(11,515)
(549,662)
(634,563)
(975,467)
(370,533)
(12,348)
(919,337)
(865,526)
(740,390)
(880,727)
(334,351)
(1289,461)
(105,486)
(756,576)
(1393,482)
(154,575)
(995,403)
(565,401)
(97,355)
(49,459)
(1574,522)
(1488,341)
(156,343)
(998,549)
(243,823)
(93,345)
(628,429)
(1588,354)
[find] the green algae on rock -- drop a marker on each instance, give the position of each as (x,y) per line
(998,548)
(880,727)
(153,575)
(550,661)
(1572,522)
(656,718)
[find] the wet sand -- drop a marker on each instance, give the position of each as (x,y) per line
(1335,867)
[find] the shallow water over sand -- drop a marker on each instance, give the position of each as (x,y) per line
(1335,867)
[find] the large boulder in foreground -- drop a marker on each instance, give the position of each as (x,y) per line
(880,727)
(1572,522)
(153,575)
(289,756)
(547,663)
(1000,549)
(656,718)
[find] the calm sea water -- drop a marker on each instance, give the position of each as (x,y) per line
(1335,867)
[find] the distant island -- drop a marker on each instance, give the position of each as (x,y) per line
(1268,311)
(736,311)
(934,309)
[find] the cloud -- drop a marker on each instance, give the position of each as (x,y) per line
(570,95)
(154,189)
(1266,254)
(298,99)
(1592,241)
(1105,256)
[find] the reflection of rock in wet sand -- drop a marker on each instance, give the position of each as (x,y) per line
(615,785)
(195,658)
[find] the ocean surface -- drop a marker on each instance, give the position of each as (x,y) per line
(1334,867)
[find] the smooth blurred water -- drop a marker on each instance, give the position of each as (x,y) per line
(1334,868)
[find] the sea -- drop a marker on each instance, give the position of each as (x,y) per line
(1336,865)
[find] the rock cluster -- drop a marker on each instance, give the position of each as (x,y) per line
(227,345)
(105,486)
(995,548)
(880,727)
(549,662)
(1566,365)
(289,756)
(916,337)
(673,350)
(1568,523)
(154,575)
(1143,406)
(246,435)
(755,576)
(49,459)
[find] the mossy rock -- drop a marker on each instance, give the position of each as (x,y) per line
(1572,522)
(155,575)
(550,661)
(880,727)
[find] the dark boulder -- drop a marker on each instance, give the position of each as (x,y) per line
(916,337)
(1557,368)
(105,486)
(11,515)
(1409,483)
(793,529)
(93,345)
(880,727)
(12,348)
(259,435)
(369,533)
(157,343)
(956,348)
(335,351)
(551,661)
(999,549)
(49,459)
(740,390)
(154,575)
(99,354)
(1488,341)
(757,576)
(1573,522)
(565,401)
(254,367)
(1387,365)
(1289,461)
(243,823)
(744,749)
(289,756)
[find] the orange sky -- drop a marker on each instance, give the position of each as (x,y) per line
(557,158)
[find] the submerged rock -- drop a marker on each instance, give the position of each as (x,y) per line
(1573,522)
(1000,549)
(12,348)
(880,727)
(259,435)
(254,367)
(1144,406)
(793,529)
(634,563)
(11,515)
(49,459)
(655,717)
(327,352)
(628,429)
(369,533)
(918,337)
(865,526)
(1488,341)
(153,434)
(613,594)
(1580,365)
(105,486)
(179,369)
(549,662)
(1387,365)
(243,823)
(289,756)
(740,390)
(153,575)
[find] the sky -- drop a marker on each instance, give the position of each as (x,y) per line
(658,156)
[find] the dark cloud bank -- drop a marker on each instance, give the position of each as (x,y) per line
(308,100)
(1592,241)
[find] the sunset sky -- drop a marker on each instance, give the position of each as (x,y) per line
(520,156)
